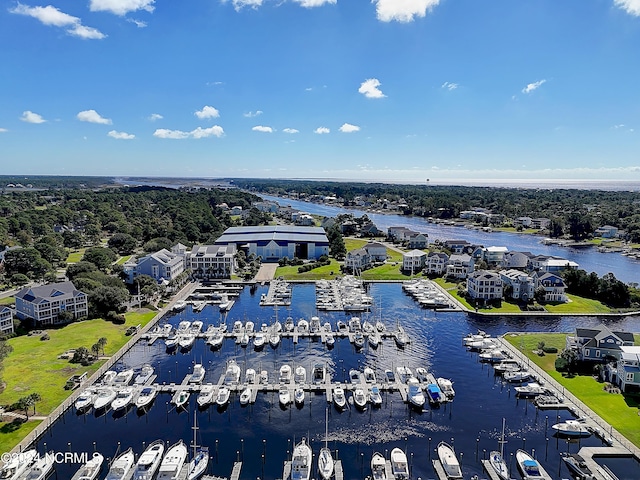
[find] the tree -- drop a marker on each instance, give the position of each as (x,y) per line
(76,269)
(27,261)
(123,243)
(24,403)
(19,279)
(105,299)
(337,248)
(570,356)
(101,257)
(102,342)
(556,227)
(540,294)
(72,240)
(95,349)
(34,398)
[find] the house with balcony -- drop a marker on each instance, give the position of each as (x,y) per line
(549,263)
(436,263)
(209,262)
(460,266)
(553,285)
(522,285)
(599,344)
(484,285)
(377,251)
(628,369)
(458,246)
(606,231)
(51,304)
(6,320)
(400,234)
(419,241)
(163,266)
(516,260)
(414,261)
(494,255)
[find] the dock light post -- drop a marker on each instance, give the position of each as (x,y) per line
(242,447)
(546,448)
(484,453)
(216,450)
(264,449)
(429,449)
(237,455)
(477,445)
(524,440)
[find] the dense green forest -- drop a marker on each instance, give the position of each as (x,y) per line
(573,212)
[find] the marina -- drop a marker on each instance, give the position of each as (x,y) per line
(262,434)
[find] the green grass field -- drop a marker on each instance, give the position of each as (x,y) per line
(123,260)
(7,300)
(76,256)
(324,272)
(620,411)
(578,305)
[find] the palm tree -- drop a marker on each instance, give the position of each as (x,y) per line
(35,398)
(102,341)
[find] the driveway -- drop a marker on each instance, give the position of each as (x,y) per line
(266,272)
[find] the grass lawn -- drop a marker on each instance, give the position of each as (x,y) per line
(578,305)
(527,231)
(355,243)
(7,300)
(11,434)
(76,256)
(123,260)
(388,271)
(446,285)
(619,411)
(291,272)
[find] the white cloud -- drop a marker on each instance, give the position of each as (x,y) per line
(30,117)
(632,7)
(261,128)
(239,4)
(290,130)
(253,114)
(348,128)
(137,23)
(155,116)
(533,86)
(314,3)
(449,86)
(121,7)
(403,10)
(3,130)
(52,16)
(207,112)
(121,135)
(92,116)
(321,130)
(369,88)
(215,131)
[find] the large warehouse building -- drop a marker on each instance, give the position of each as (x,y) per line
(273,242)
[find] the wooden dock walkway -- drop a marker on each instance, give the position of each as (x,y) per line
(439,469)
(490,471)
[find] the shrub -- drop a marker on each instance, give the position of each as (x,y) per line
(550,350)
(561,365)
(44,336)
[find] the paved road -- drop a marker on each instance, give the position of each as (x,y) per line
(266,272)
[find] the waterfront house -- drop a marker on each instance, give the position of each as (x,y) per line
(377,251)
(628,369)
(414,261)
(524,222)
(494,255)
(370,230)
(236,210)
(419,241)
(357,260)
(599,344)
(209,262)
(163,266)
(400,234)
(553,285)
(484,285)
(540,223)
(460,266)
(436,263)
(458,246)
(522,285)
(47,304)
(516,260)
(606,231)
(548,263)
(6,320)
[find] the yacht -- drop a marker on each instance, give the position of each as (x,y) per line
(298,396)
(572,428)
(367,327)
(274,339)
(216,340)
(359,398)
(374,396)
(264,377)
(516,377)
(339,399)
(145,397)
(179,306)
(404,373)
(250,376)
(374,340)
(186,340)
(123,378)
(40,468)
(285,374)
(449,460)
(198,374)
(401,337)
(303,326)
(182,399)
(493,356)
(342,327)
(301,461)
(358,340)
(198,464)
(415,395)
(473,337)
(232,375)
(223,396)
(529,467)
(259,340)
(354,324)
(149,461)
(245,396)
(90,469)
(146,372)
(508,365)
(314,325)
(288,324)
(108,377)
(319,373)
(237,326)
(330,341)
(577,465)
(205,397)
(85,400)
(496,458)
(380,327)
(325,459)
(173,461)
(354,376)
(171,341)
(378,467)
(531,389)
(104,398)
(123,399)
(300,374)
(17,464)
(183,327)
(244,339)
(326,326)
(369,375)
(121,466)
(446,386)
(284,395)
(399,464)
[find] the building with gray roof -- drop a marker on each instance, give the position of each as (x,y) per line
(47,303)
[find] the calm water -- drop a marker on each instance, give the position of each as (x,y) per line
(624,268)
(472,422)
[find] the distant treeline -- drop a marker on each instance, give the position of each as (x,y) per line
(572,211)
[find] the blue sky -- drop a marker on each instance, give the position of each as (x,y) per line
(381,90)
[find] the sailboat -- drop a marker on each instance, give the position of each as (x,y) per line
(496,459)
(200,460)
(325,460)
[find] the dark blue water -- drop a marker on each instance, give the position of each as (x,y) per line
(589,259)
(472,422)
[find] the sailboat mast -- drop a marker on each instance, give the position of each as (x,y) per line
(502,442)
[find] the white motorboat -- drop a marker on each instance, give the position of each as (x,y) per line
(473,337)
(449,461)
(205,397)
(173,461)
(493,356)
(237,326)
(123,378)
(216,340)
(40,468)
(196,327)
(508,365)
(104,398)
(325,459)
(18,464)
(85,399)
(121,466)
(496,458)
(259,340)
(198,373)
(378,467)
(183,327)
(404,373)
(301,461)
(250,376)
(245,396)
(358,340)
(298,395)
(179,306)
(264,377)
(415,395)
(186,340)
(354,324)
(401,337)
(517,377)
(167,328)
(369,375)
(244,339)
(342,327)
(123,399)
(289,324)
(399,464)
(108,377)
(303,326)
(146,372)
(434,394)
(326,326)
(284,396)
(446,386)
(300,375)
(421,374)
(90,469)
(223,396)
(314,325)
(145,397)
(374,396)
(390,376)
(529,467)
(148,463)
(367,327)
(359,398)
(354,376)
(274,339)
(572,428)
(285,374)
(339,399)
(578,466)
(330,341)
(374,339)
(182,399)
(171,341)
(531,389)
(232,375)
(319,373)
(483,344)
